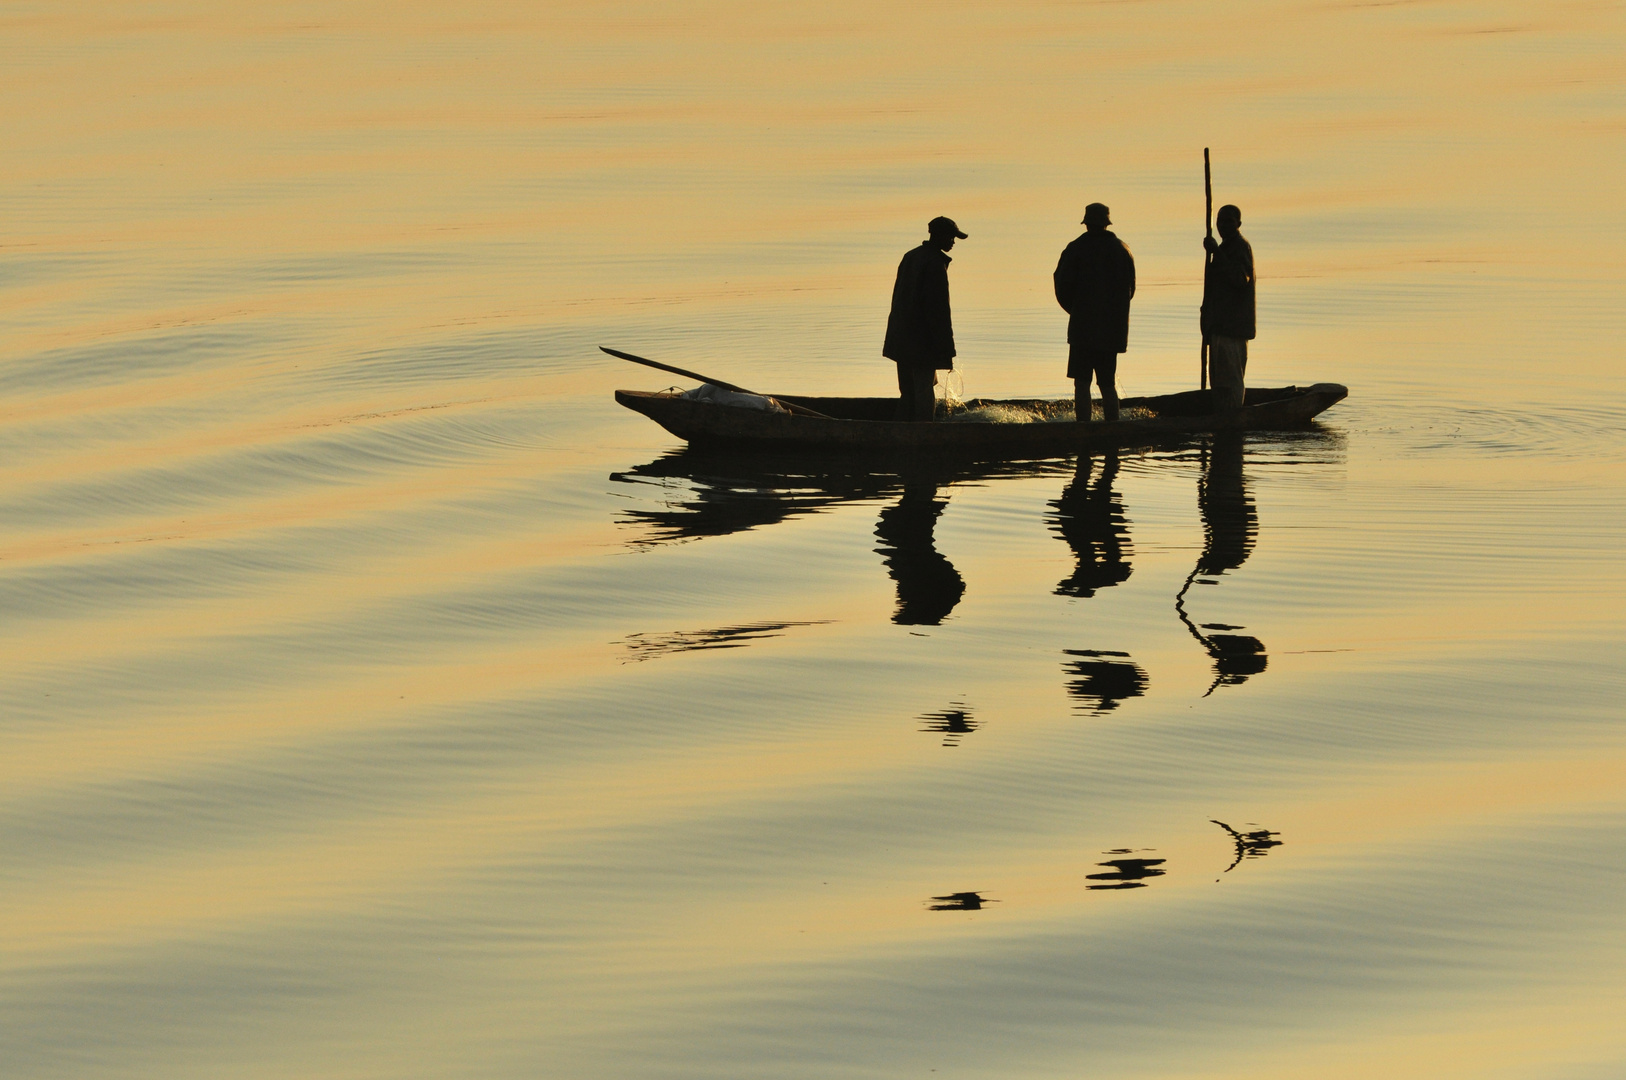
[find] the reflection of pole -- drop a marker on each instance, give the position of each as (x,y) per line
(1202,464)
(1180,598)
(1206,643)
(1208,223)
(1180,610)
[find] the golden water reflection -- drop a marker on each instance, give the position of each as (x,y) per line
(708,493)
(352,724)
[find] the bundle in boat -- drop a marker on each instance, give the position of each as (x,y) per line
(717,395)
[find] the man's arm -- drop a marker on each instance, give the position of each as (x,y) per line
(1066,279)
(901,321)
(941,320)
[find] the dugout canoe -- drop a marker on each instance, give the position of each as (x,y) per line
(867,424)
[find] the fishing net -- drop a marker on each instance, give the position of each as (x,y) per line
(953,406)
(1030,412)
(1038,412)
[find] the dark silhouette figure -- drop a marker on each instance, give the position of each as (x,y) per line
(920,330)
(1229,528)
(1095,280)
(1228,308)
(1090,517)
(951,723)
(1127,873)
(928,584)
(1249,845)
(1097,684)
(961,901)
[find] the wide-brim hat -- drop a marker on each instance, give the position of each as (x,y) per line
(1098,214)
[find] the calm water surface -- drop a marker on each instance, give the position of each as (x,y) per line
(378,699)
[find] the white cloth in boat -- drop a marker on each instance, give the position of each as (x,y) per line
(716,395)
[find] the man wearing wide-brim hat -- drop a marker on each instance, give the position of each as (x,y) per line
(920,330)
(1095,281)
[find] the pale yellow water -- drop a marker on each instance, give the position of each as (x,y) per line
(378,699)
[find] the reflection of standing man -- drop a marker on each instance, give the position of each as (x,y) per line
(928,585)
(1230,526)
(920,331)
(1090,517)
(1227,319)
(1230,523)
(1095,280)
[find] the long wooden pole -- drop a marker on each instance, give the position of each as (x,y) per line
(675,370)
(687,374)
(1208,223)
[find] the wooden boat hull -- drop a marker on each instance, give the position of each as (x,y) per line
(866,423)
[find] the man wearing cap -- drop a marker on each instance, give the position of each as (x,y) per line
(1095,281)
(1227,319)
(919,331)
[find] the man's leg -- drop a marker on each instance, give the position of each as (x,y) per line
(1104,366)
(906,391)
(915,397)
(1078,370)
(1227,367)
(1106,373)
(925,396)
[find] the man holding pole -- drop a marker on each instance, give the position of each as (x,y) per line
(1095,281)
(1228,308)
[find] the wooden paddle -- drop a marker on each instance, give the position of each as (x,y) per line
(1208,221)
(799,410)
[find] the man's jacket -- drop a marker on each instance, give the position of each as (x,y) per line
(919,332)
(1228,291)
(1095,280)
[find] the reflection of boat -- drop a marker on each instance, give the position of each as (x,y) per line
(718,493)
(715,493)
(868,424)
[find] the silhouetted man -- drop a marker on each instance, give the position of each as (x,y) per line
(1095,280)
(920,332)
(1227,320)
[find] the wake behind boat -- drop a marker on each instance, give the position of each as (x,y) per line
(1020,427)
